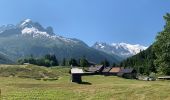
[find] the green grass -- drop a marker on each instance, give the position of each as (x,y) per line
(32,71)
(101,88)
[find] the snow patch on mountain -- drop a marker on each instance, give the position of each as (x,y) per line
(6,27)
(34,32)
(133,49)
(121,49)
(25,22)
(101,46)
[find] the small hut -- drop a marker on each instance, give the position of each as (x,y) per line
(76,74)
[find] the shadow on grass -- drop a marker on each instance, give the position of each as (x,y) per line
(85,83)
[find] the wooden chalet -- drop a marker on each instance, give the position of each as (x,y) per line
(97,69)
(129,73)
(115,70)
(106,70)
(77,73)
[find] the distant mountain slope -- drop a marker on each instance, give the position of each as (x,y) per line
(30,38)
(4,59)
(123,50)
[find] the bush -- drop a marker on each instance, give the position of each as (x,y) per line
(153,75)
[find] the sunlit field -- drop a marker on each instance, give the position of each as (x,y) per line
(92,88)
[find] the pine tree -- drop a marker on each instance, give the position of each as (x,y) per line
(73,62)
(83,62)
(63,62)
(52,60)
(114,65)
(105,63)
(162,48)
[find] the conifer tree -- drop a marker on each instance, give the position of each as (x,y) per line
(162,48)
(63,62)
(83,62)
(105,63)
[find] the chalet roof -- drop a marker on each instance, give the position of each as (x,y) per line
(115,70)
(107,69)
(76,70)
(95,69)
(126,70)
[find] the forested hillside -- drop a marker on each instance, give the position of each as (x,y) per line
(157,57)
(143,62)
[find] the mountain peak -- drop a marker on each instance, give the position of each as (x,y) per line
(28,27)
(25,23)
(27,20)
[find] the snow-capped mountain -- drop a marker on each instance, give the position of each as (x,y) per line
(34,29)
(31,38)
(6,27)
(123,50)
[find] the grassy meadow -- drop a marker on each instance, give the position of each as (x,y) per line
(17,87)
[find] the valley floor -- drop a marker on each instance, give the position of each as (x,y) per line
(98,88)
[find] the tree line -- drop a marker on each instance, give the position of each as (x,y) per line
(47,60)
(50,60)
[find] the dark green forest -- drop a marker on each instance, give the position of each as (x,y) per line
(156,58)
(143,62)
(50,60)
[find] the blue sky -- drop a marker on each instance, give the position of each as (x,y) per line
(130,21)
